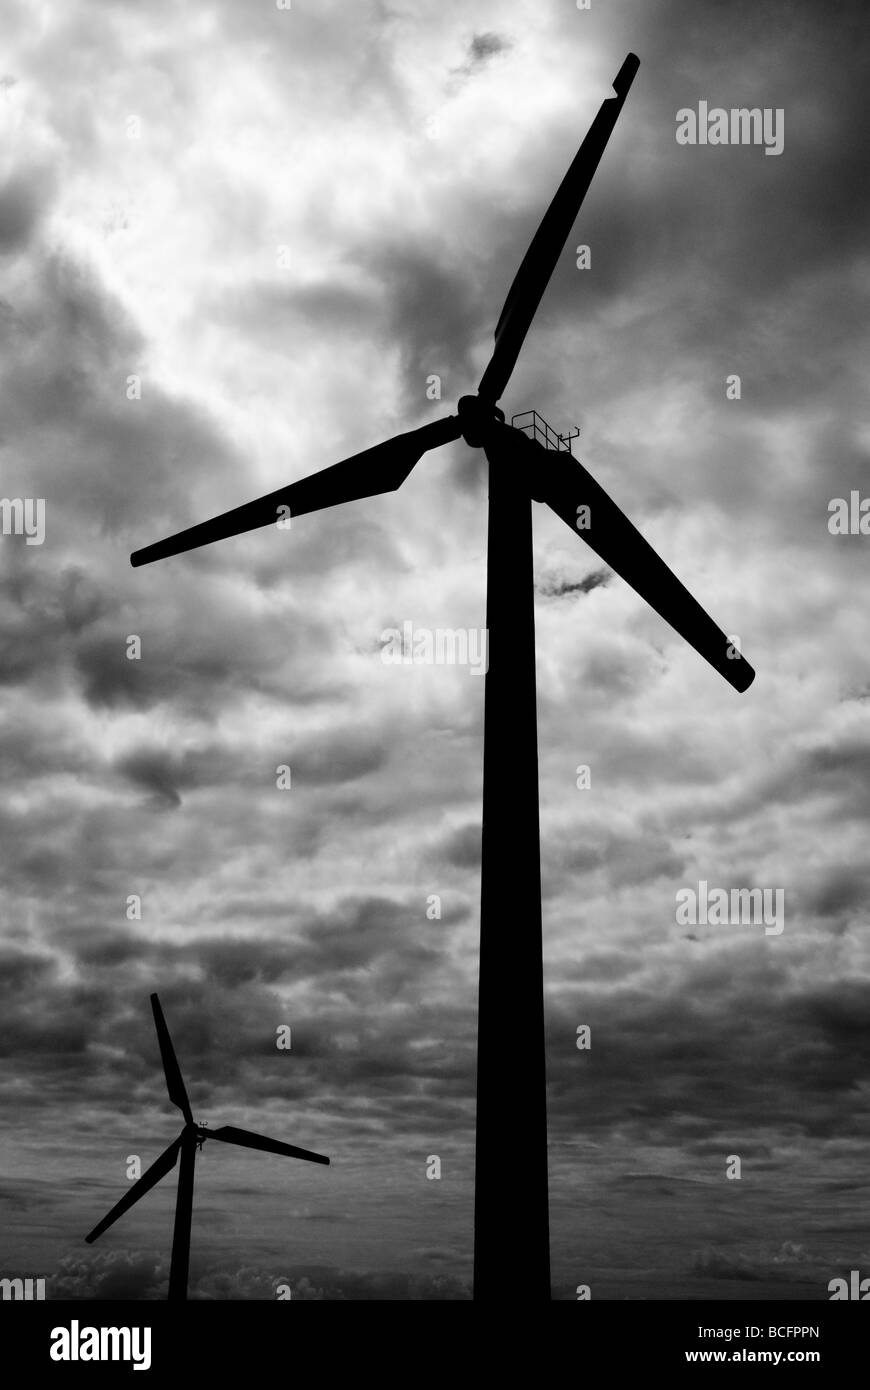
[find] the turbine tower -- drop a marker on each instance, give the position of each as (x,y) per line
(192,1137)
(511,1225)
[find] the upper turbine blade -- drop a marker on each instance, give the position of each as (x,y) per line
(246,1140)
(546,246)
(562,482)
(382,468)
(159,1168)
(174,1082)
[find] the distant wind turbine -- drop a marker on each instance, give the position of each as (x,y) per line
(511,1224)
(192,1137)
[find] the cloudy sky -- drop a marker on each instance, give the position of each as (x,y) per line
(284,222)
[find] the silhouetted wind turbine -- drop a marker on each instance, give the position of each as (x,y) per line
(511,1235)
(192,1137)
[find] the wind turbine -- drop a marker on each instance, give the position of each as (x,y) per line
(191,1138)
(511,1224)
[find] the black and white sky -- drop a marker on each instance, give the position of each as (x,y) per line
(285,222)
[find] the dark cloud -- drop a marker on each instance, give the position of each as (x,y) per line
(559,588)
(485,46)
(273,315)
(23,200)
(432,317)
(462,846)
(345,756)
(760,1042)
(156,772)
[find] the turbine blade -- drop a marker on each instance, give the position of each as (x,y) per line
(380,469)
(228,1134)
(559,480)
(150,1178)
(546,246)
(180,1262)
(174,1082)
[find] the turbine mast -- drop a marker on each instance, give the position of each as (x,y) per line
(511,1227)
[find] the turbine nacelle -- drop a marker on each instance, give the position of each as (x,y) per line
(476,418)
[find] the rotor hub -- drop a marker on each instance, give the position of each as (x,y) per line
(476,416)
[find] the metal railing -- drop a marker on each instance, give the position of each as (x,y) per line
(536,427)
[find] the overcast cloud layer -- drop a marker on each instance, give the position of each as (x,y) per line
(284,222)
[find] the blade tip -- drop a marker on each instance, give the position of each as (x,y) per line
(147,556)
(624,78)
(743,677)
